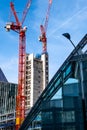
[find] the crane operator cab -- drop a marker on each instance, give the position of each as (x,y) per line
(8,26)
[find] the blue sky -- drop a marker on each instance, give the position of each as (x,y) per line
(65,16)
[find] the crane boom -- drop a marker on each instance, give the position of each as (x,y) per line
(14,12)
(26,11)
(43,29)
(47,15)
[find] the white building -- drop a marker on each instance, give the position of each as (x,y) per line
(37,77)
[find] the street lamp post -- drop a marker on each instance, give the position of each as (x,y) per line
(67,35)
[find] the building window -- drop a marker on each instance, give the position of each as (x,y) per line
(26,57)
(28,102)
(46,58)
(46,73)
(47,63)
(68,116)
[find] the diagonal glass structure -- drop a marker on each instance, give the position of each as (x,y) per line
(69,113)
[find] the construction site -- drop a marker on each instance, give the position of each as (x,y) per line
(35,102)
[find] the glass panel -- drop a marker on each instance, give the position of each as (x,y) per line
(67,71)
(58,94)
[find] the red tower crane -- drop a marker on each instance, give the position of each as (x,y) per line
(43,29)
(17,27)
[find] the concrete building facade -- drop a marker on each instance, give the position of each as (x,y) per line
(37,77)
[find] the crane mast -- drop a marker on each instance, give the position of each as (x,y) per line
(43,29)
(17,27)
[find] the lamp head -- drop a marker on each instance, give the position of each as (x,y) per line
(67,35)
